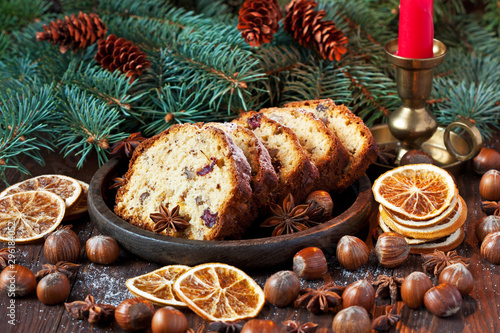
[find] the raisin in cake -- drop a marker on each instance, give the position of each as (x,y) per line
(264,178)
(321,146)
(295,172)
(352,132)
(201,170)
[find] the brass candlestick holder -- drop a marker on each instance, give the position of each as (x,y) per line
(412,124)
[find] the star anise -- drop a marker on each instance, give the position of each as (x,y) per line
(200,329)
(226,327)
(292,326)
(386,155)
(491,207)
(169,220)
(4,258)
(90,310)
(287,219)
(324,299)
(385,322)
(125,147)
(387,285)
(438,260)
(117,183)
(64,267)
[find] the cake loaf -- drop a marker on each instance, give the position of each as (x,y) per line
(352,132)
(201,170)
(295,171)
(321,146)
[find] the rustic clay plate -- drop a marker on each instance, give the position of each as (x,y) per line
(352,207)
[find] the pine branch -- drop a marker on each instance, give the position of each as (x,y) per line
(86,124)
(20,12)
(4,42)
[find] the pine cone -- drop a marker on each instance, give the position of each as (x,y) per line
(77,32)
(258,21)
(308,28)
(119,53)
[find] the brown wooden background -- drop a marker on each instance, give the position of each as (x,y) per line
(480,311)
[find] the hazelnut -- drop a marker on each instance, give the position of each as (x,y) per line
(322,202)
(102,249)
(17,281)
(459,276)
(353,319)
(282,288)
(414,288)
(486,225)
(310,263)
(490,248)
(62,245)
(260,326)
(391,249)
(169,320)
(53,288)
(443,300)
(134,314)
(487,159)
(352,252)
(360,293)
(489,186)
(416,156)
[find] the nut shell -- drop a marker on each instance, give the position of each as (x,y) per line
(282,288)
(134,314)
(443,300)
(490,248)
(353,319)
(414,288)
(487,159)
(17,281)
(102,249)
(489,186)
(391,249)
(53,288)
(487,225)
(352,252)
(360,293)
(310,263)
(62,245)
(459,276)
(169,320)
(323,200)
(260,326)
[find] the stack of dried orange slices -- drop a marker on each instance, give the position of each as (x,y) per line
(35,207)
(422,203)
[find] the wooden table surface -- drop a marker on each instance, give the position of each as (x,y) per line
(480,311)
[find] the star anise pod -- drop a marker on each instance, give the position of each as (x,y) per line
(287,219)
(90,310)
(169,220)
(387,285)
(64,267)
(491,207)
(4,258)
(117,183)
(385,322)
(438,260)
(324,299)
(226,327)
(125,148)
(292,326)
(386,155)
(200,329)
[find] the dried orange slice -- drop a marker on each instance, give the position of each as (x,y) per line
(418,191)
(157,286)
(66,187)
(27,216)
(220,292)
(80,207)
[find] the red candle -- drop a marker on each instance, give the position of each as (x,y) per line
(416,29)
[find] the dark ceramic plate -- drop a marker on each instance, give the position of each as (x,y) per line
(351,215)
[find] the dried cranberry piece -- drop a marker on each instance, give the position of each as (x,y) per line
(207,168)
(209,218)
(321,108)
(255,120)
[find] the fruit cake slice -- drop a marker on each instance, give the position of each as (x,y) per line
(201,170)
(352,132)
(321,146)
(296,174)
(264,178)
